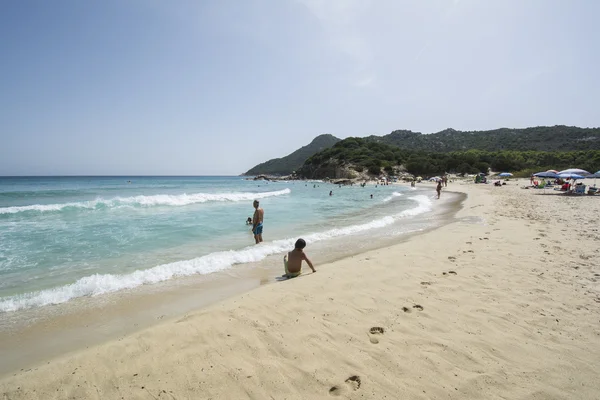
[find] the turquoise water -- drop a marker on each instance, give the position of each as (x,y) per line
(68,237)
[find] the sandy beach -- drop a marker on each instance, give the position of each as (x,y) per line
(502,303)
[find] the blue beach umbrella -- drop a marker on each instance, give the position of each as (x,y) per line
(571,175)
(505,174)
(546,174)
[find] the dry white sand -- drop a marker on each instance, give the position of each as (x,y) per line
(501,304)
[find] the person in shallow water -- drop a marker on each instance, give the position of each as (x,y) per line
(438,189)
(292,262)
(249,221)
(257,222)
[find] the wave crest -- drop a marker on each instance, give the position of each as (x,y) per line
(145,201)
(390,198)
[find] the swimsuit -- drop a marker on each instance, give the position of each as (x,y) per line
(258,229)
(287,272)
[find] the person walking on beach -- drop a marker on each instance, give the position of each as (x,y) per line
(438,189)
(257,222)
(292,262)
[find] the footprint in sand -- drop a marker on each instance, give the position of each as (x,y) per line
(449,273)
(405,309)
(350,385)
(452,258)
(425,283)
(418,307)
(375,331)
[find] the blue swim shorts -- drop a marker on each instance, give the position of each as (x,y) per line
(258,229)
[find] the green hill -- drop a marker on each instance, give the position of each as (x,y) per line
(353,157)
(541,138)
(288,164)
(516,149)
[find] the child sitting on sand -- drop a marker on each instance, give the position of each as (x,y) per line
(293,260)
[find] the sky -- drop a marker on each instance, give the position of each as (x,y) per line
(213,87)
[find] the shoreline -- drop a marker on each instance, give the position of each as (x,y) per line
(499,303)
(85,322)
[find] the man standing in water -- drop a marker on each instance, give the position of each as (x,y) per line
(438,189)
(257,222)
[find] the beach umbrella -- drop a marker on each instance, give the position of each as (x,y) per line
(595,176)
(546,174)
(571,176)
(553,171)
(577,171)
(505,174)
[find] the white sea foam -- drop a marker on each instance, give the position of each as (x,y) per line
(394,195)
(100,284)
(146,201)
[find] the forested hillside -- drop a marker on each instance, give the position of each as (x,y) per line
(356,154)
(450,150)
(541,138)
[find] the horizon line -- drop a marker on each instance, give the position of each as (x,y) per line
(113,176)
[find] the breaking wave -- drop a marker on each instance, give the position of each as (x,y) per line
(143,201)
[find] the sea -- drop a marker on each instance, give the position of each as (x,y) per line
(64,238)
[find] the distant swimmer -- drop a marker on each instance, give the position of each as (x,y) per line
(331,192)
(257,222)
(249,221)
(292,262)
(371,196)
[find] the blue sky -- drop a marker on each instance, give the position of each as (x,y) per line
(215,87)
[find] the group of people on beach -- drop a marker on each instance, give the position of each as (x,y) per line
(292,261)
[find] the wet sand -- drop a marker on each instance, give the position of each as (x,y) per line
(501,303)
